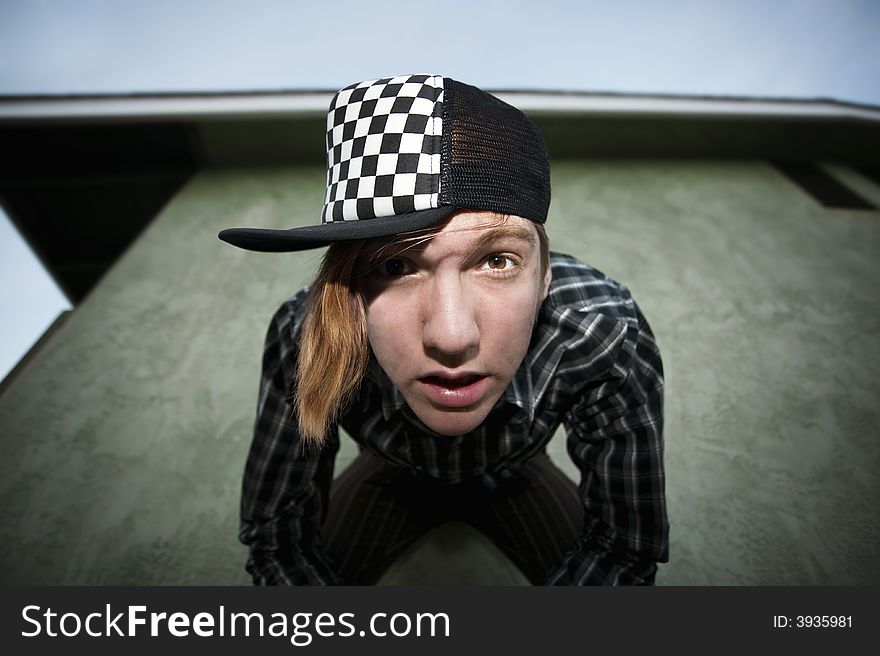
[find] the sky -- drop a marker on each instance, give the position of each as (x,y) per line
(745,47)
(29,298)
(776,48)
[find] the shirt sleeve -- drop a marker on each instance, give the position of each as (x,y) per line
(615,437)
(286,483)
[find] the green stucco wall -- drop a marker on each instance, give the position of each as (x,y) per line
(124,439)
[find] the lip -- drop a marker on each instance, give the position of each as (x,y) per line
(454,390)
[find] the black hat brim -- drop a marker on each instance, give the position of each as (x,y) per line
(268,240)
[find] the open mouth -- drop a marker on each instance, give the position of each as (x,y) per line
(451,383)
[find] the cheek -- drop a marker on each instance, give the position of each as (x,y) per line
(506,324)
(387,332)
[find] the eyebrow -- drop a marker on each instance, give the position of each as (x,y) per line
(504,232)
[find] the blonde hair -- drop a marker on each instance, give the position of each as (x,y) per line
(334,347)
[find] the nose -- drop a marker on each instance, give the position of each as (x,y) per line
(450,329)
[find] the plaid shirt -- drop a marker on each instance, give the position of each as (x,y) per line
(593,365)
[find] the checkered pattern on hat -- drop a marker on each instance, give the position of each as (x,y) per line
(383,148)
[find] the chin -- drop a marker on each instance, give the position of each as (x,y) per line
(452,423)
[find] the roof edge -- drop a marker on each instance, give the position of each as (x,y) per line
(258,105)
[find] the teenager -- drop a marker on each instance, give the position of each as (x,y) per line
(443,335)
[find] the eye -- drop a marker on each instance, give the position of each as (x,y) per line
(499,262)
(395,267)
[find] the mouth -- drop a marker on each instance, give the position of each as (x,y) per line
(454,392)
(452,383)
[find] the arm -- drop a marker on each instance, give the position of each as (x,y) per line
(286,484)
(615,437)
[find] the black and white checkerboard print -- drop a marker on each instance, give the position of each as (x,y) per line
(383,148)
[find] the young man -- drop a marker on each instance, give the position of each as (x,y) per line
(448,341)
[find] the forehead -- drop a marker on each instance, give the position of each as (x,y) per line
(467,231)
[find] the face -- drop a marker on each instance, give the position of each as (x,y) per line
(450,319)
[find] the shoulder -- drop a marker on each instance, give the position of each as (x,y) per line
(282,334)
(590,326)
(288,318)
(585,289)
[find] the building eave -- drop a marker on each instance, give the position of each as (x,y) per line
(275,105)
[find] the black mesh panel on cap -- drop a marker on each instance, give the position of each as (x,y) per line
(492,156)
